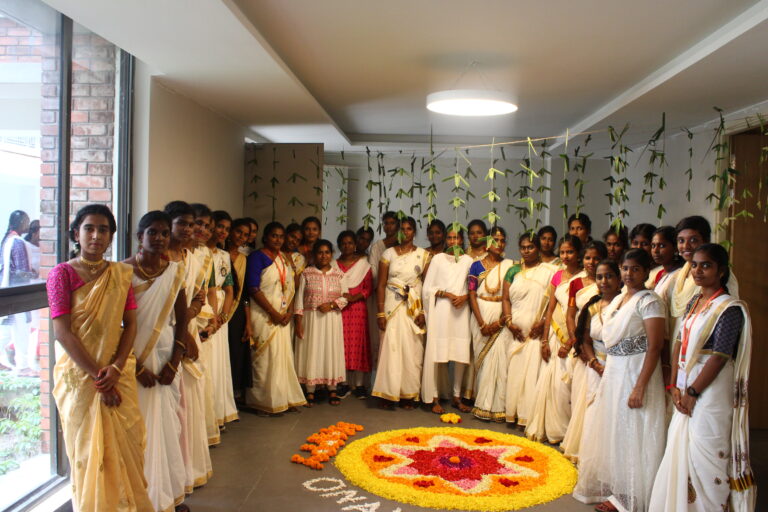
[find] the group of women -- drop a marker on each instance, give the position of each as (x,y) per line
(575,342)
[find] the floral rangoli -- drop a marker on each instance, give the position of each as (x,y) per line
(457,468)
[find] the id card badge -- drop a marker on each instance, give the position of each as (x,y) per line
(682,377)
(283,304)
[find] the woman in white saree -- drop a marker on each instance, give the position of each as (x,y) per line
(706,463)
(552,407)
(580,292)
(485,284)
(447,313)
(401,319)
(525,301)
(158,287)
(589,336)
(270,283)
(691,233)
(194,436)
(629,421)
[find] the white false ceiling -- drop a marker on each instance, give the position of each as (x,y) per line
(341,71)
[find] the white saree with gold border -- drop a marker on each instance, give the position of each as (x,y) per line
(706,463)
(160,404)
(401,354)
(275,384)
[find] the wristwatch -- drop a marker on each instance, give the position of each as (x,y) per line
(692,392)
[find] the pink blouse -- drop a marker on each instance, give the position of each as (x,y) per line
(318,288)
(63,280)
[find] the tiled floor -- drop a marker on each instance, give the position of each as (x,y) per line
(252,471)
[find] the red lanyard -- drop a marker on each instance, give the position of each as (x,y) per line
(686,329)
(280,272)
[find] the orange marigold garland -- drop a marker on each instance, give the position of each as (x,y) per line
(456,468)
(325,443)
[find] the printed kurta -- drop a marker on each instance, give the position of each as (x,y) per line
(320,353)
(357,341)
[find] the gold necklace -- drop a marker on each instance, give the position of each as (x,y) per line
(494,290)
(146,274)
(93,267)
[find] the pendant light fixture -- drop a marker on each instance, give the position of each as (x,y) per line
(470,102)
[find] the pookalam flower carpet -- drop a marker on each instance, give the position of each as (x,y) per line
(457,468)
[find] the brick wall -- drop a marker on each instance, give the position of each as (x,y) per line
(92,143)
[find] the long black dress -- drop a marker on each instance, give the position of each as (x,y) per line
(239,351)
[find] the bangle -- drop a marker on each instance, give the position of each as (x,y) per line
(140,371)
(175,369)
(381,315)
(591,362)
(182,345)
(113,365)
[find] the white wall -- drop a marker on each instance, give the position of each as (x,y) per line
(183,150)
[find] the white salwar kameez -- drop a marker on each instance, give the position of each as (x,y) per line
(160,404)
(401,355)
(631,441)
(490,352)
(275,385)
(224,406)
(579,387)
(706,463)
(320,353)
(552,409)
(448,337)
(194,435)
(528,297)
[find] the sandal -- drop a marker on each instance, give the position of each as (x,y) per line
(407,405)
(310,400)
(181,508)
(606,506)
(458,404)
(437,408)
(333,398)
(386,405)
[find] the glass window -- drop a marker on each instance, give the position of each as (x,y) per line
(29,158)
(26,447)
(29,117)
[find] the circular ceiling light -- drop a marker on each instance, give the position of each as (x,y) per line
(470,102)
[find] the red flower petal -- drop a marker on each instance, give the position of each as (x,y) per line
(412,439)
(525,458)
(382,458)
(423,483)
(506,482)
(481,440)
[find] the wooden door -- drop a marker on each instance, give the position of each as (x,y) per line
(750,258)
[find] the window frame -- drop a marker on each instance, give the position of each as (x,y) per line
(30,297)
